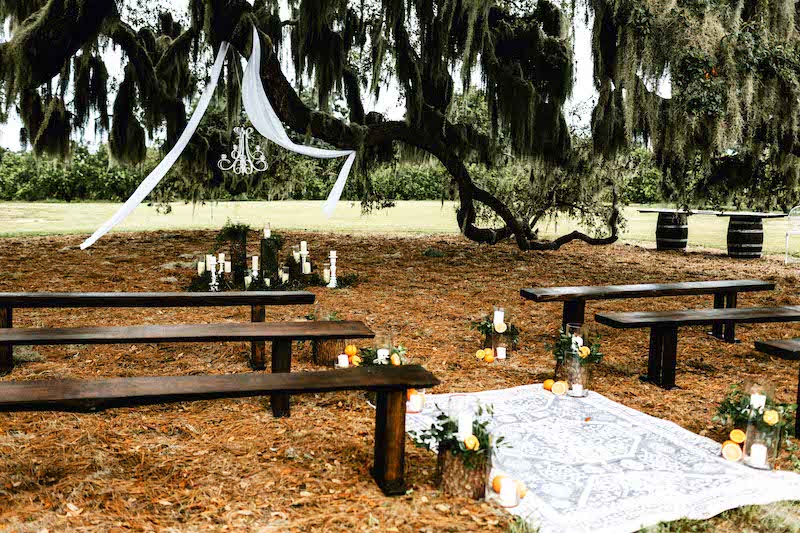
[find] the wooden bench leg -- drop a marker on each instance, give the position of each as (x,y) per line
(574,311)
(729,329)
(390,440)
(719,303)
(258,349)
(663,356)
(6,352)
(281,363)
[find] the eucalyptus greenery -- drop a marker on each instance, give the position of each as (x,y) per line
(485,327)
(734,412)
(564,349)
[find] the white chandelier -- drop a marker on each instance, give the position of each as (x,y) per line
(242,159)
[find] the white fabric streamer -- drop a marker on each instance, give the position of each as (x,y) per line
(165,165)
(265,120)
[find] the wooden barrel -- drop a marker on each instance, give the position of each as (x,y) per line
(672,231)
(745,237)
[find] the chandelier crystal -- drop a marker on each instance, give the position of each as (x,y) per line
(242,160)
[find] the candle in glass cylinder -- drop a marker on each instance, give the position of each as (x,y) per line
(267,231)
(221,258)
(307,267)
(500,352)
(228,267)
(344,362)
(415,403)
(509,496)
(201,268)
(247,281)
(296,253)
(255,263)
(758,455)
(464,424)
(303,246)
(210,259)
(499,315)
(285,277)
(326,274)
(267,282)
(757,401)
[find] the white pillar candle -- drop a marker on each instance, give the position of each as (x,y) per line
(464,424)
(307,267)
(267,282)
(415,403)
(758,455)
(221,258)
(303,246)
(344,362)
(296,256)
(267,231)
(383,352)
(326,275)
(333,254)
(577,389)
(577,341)
(500,353)
(201,268)
(499,317)
(509,496)
(247,281)
(285,277)
(228,267)
(255,263)
(757,401)
(210,260)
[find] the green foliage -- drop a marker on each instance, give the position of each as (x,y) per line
(370,357)
(734,412)
(564,349)
(644,184)
(444,434)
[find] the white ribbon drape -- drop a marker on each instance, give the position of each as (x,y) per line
(260,112)
(265,120)
(165,165)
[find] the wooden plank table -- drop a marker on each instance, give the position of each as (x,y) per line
(662,357)
(390,383)
(725,296)
(746,232)
(256,300)
(672,226)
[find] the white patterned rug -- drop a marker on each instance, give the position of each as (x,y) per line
(592,464)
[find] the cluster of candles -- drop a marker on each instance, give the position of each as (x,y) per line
(499,325)
(300,254)
(214,265)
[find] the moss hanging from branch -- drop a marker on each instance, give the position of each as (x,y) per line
(53,136)
(126,140)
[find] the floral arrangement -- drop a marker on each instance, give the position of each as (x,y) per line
(397,356)
(734,411)
(473,450)
(588,350)
(485,327)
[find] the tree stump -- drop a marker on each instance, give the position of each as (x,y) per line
(456,479)
(326,352)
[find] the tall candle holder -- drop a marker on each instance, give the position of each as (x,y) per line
(332,258)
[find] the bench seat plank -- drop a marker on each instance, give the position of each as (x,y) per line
(153,299)
(783,348)
(644,290)
(699,317)
(71,394)
(229,332)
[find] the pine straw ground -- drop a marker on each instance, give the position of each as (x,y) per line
(227,464)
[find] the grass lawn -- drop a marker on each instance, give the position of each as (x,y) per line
(407,218)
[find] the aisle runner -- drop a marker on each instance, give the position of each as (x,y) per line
(620,470)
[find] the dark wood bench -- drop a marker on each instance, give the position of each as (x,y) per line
(664,330)
(390,383)
(785,349)
(255,300)
(724,291)
(280,334)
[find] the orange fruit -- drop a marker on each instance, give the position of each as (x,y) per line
(488,351)
(584,352)
(522,490)
(731,451)
(548,384)
(496,482)
(410,393)
(351,350)
(479,355)
(559,388)
(489,358)
(737,436)
(395,360)
(472,443)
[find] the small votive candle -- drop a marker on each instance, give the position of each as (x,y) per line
(247,281)
(344,362)
(500,353)
(307,267)
(509,496)
(577,389)
(415,403)
(303,246)
(758,455)
(201,268)
(255,263)
(228,267)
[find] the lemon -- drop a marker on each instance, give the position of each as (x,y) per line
(500,327)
